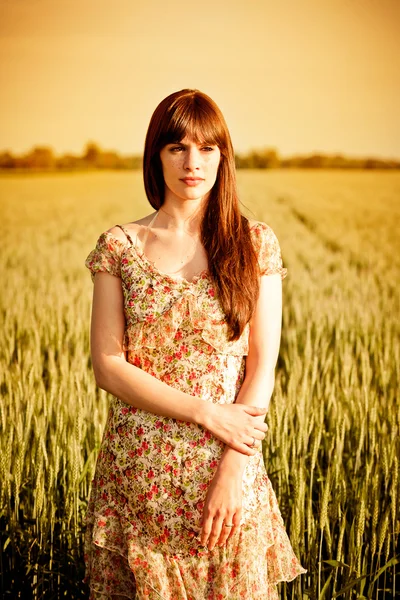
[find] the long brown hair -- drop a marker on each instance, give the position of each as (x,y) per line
(225,232)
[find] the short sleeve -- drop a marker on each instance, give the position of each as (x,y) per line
(268,250)
(106,256)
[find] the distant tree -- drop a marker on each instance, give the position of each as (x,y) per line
(7,160)
(91,154)
(68,161)
(264,158)
(132,162)
(40,157)
(109,160)
(373,163)
(315,161)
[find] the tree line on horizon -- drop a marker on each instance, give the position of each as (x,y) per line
(43,158)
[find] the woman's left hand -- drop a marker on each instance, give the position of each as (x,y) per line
(223,504)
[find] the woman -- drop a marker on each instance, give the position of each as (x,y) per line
(185,333)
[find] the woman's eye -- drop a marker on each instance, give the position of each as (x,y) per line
(177,149)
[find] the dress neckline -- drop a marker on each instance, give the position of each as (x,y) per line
(151,264)
(204,274)
(174,279)
(177,278)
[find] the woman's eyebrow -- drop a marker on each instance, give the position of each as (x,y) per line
(203,143)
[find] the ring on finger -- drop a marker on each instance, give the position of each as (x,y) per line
(227,534)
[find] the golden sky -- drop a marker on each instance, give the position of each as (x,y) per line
(297,75)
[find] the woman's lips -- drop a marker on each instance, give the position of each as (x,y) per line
(191,181)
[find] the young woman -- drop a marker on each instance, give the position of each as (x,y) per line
(185,334)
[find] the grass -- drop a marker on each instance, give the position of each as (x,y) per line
(333,446)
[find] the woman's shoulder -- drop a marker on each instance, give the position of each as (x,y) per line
(263,236)
(260,231)
(133,228)
(259,228)
(253,223)
(267,248)
(258,225)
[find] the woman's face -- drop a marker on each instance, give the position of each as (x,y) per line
(189,169)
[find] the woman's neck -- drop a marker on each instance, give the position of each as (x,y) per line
(185,217)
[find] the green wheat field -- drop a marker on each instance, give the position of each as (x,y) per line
(332,451)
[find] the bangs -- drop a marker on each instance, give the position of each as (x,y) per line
(193,117)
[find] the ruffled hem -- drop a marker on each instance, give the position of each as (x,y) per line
(148,575)
(256,559)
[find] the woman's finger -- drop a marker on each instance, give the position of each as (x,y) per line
(206,527)
(254,442)
(215,532)
(248,448)
(226,529)
(261,426)
(237,517)
(228,532)
(245,449)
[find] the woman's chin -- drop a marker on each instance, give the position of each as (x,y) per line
(191,194)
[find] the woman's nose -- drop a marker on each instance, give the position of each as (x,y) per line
(192,160)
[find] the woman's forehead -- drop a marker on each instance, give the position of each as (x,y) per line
(190,139)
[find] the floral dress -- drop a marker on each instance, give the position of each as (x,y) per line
(152,474)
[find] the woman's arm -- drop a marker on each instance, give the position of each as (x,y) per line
(264,343)
(223,503)
(234,425)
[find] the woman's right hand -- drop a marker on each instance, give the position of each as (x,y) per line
(236,425)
